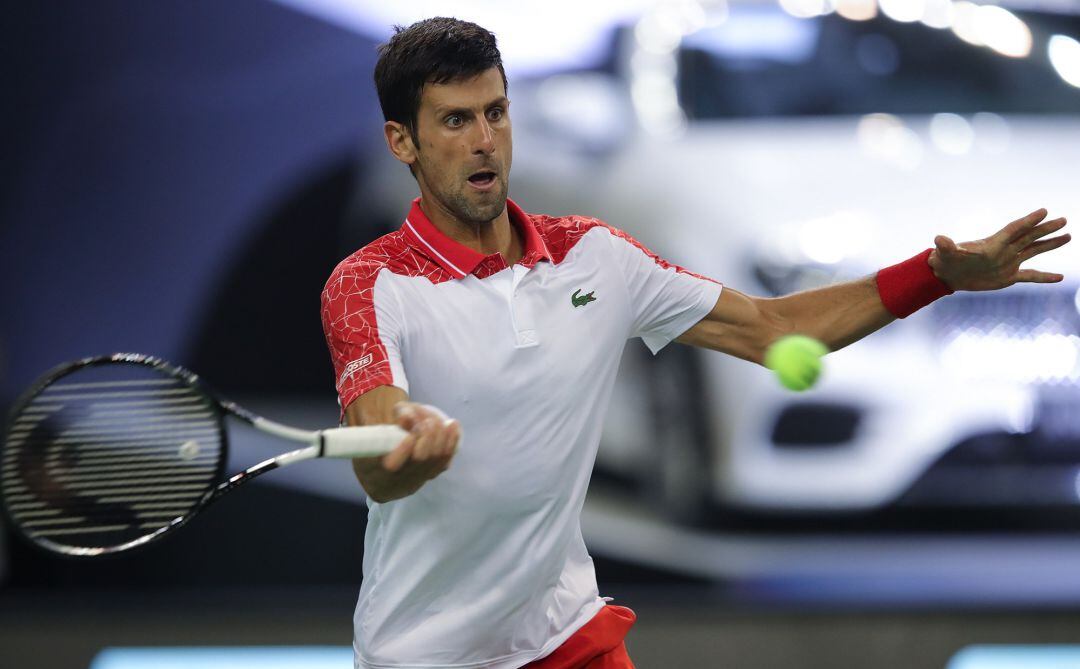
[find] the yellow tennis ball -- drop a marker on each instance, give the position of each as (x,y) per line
(796,360)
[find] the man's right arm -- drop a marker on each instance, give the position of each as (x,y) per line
(420,457)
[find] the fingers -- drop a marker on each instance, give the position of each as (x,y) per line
(1035,276)
(1038,232)
(427,443)
(433,438)
(945,246)
(402,453)
(407,415)
(1045,245)
(1011,232)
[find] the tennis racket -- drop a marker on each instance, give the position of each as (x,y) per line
(110,453)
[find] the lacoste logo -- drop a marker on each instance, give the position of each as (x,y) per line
(354,366)
(583,300)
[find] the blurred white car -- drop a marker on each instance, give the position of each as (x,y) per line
(869,139)
(823,150)
(777,207)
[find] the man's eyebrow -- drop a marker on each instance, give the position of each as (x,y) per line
(446,110)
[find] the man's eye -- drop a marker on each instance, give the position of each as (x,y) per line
(495,114)
(454,121)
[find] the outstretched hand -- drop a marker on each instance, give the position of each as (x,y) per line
(994,262)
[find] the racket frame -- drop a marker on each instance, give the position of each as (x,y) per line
(221,407)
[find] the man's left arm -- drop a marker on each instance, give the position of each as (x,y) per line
(838,315)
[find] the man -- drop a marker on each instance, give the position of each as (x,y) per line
(513,324)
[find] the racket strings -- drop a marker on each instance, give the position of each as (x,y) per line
(107,455)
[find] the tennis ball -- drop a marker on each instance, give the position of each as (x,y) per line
(796,359)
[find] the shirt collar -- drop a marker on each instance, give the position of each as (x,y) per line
(458,259)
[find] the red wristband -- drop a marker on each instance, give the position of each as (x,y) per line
(909,286)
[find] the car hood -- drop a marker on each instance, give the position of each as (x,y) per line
(839,190)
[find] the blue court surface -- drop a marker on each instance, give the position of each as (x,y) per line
(1016,657)
(258,657)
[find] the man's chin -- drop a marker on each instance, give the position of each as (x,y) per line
(484,209)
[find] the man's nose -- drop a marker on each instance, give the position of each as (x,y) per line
(485,139)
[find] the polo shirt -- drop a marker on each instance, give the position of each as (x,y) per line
(485,565)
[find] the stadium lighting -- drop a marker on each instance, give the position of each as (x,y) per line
(653,67)
(965,22)
(1003,31)
(857,10)
(1064,55)
(938,14)
(991,26)
(805,9)
(904,11)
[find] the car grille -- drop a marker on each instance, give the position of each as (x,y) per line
(1028,334)
(1031,330)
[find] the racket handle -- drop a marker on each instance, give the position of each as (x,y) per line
(361,442)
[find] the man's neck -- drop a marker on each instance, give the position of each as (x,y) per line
(497,236)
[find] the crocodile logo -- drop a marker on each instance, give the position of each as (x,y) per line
(583,300)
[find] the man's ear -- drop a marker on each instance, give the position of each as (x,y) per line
(400,142)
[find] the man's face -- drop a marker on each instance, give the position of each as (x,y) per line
(464,150)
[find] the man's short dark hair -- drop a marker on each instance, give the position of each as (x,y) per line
(435,51)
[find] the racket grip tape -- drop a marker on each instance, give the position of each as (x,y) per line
(360,442)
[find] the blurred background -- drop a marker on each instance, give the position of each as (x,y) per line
(181,177)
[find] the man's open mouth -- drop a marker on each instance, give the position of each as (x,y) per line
(482,179)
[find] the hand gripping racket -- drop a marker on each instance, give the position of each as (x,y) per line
(106,454)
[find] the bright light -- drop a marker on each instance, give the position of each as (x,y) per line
(904,11)
(992,26)
(804,9)
(857,10)
(992,134)
(653,92)
(655,98)
(951,134)
(1076,300)
(938,14)
(1002,354)
(1064,55)
(885,136)
(1002,31)
(661,30)
(653,67)
(830,239)
(656,35)
(535,42)
(644,64)
(965,22)
(1019,414)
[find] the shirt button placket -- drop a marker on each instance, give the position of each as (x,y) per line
(522,313)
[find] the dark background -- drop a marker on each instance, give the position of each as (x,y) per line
(179,178)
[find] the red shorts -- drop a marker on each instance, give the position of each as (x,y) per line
(597,645)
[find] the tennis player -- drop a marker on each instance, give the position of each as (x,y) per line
(512,325)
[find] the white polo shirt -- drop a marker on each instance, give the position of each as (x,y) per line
(485,565)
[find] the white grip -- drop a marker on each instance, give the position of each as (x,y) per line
(361,442)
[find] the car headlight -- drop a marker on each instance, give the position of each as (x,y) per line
(1026,334)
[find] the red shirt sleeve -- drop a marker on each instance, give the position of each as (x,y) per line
(361,333)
